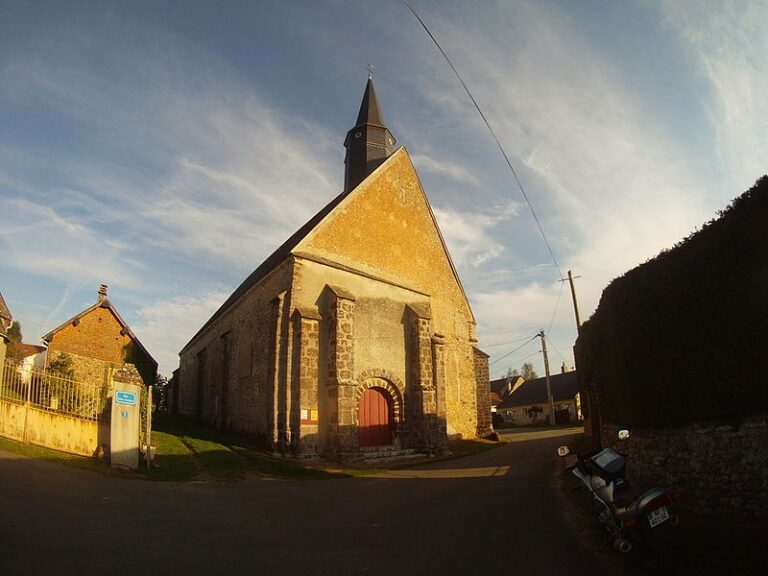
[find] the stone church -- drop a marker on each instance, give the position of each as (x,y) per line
(355,333)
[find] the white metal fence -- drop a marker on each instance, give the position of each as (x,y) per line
(53,393)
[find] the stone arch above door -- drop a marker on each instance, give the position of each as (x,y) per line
(387,381)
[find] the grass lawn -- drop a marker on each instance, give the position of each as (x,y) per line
(48,455)
(185,452)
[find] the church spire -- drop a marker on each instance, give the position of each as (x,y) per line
(369,143)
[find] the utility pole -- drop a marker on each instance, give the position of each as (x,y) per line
(546,372)
(575,303)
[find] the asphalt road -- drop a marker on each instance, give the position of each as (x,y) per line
(491,513)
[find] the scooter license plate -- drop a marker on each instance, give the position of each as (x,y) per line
(656,517)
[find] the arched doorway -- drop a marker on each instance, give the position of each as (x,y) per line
(375,419)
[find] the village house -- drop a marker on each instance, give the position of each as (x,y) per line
(356,333)
(98,340)
(528,405)
(503,387)
(30,357)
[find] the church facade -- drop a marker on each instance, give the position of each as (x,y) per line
(356,332)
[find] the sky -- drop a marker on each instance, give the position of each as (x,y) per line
(167,148)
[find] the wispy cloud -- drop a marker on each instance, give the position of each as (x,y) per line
(468,234)
(169,169)
(47,243)
(185,314)
(611,186)
(728,42)
(213,176)
(443,168)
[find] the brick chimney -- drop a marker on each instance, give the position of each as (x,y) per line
(103,292)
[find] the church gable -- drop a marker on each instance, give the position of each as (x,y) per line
(386,229)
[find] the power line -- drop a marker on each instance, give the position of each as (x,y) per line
(514,350)
(505,343)
(552,320)
(493,134)
(536,353)
(556,350)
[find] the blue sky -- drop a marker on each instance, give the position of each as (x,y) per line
(167,148)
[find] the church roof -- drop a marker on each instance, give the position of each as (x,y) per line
(358,169)
(287,248)
(272,262)
(369,143)
(369,108)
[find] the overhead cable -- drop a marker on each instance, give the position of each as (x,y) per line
(493,134)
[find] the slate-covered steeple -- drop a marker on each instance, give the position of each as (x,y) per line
(369,143)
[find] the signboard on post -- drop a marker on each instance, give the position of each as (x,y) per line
(125,397)
(124,433)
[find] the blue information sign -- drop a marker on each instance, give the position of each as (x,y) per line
(123,397)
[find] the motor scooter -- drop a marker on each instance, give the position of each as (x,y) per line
(632,517)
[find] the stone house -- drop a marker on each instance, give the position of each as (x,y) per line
(98,340)
(355,333)
(528,404)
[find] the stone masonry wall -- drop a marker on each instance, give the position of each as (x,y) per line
(482,379)
(716,468)
(91,371)
(342,436)
(385,229)
(424,425)
(253,362)
(305,371)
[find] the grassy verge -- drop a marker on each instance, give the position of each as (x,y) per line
(221,456)
(173,459)
(187,452)
(48,455)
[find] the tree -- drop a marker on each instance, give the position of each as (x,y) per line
(14,335)
(14,331)
(160,393)
(528,372)
(62,366)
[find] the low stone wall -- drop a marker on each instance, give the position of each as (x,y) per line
(717,468)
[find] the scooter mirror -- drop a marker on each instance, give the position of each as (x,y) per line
(623,434)
(563,451)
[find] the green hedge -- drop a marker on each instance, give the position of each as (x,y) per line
(684,337)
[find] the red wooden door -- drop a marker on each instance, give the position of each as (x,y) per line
(374,423)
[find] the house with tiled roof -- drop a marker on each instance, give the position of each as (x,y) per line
(30,357)
(98,340)
(503,387)
(355,334)
(528,404)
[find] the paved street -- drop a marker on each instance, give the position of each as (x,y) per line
(492,513)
